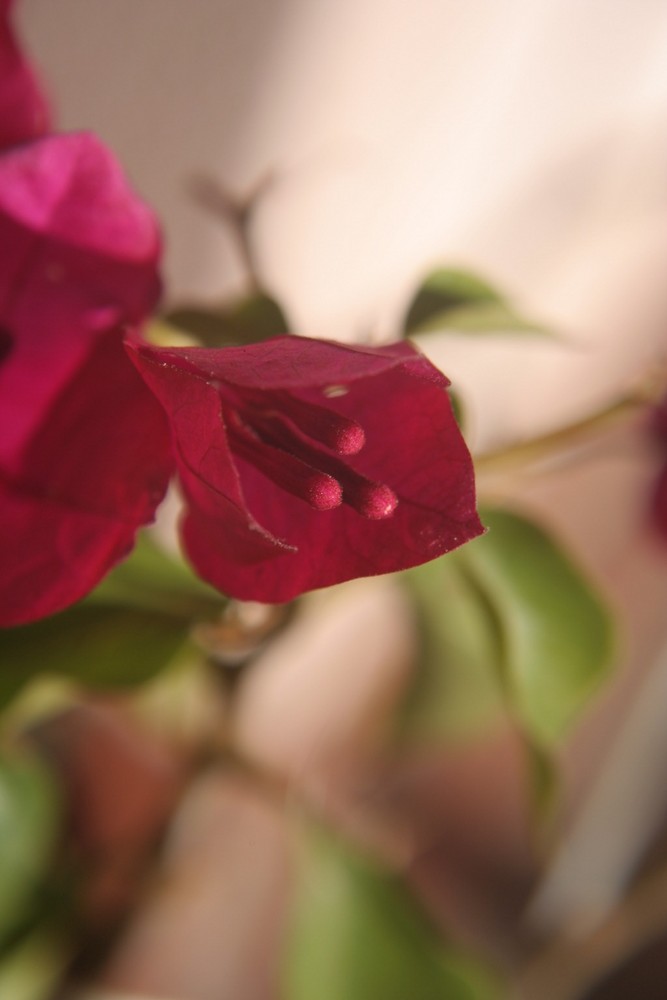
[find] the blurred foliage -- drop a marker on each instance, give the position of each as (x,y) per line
(151,580)
(121,635)
(507,615)
(32,969)
(244,321)
(449,299)
(100,647)
(126,631)
(29,826)
(357,933)
(458,409)
(457,689)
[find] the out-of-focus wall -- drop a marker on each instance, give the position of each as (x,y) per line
(527,139)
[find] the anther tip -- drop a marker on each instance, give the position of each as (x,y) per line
(350,439)
(324,492)
(378,501)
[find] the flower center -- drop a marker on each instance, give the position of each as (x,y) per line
(301,447)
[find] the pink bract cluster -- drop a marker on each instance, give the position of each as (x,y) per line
(302,463)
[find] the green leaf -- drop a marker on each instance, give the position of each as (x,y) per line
(527,612)
(543,778)
(127,630)
(357,934)
(557,636)
(29,821)
(245,321)
(106,647)
(33,968)
(457,689)
(457,300)
(458,409)
(151,580)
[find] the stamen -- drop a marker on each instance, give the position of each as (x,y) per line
(317,488)
(374,500)
(342,435)
(370,499)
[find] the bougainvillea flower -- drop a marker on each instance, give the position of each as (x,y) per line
(305,463)
(24,112)
(84,447)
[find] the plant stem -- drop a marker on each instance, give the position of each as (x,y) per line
(647,391)
(237,213)
(560,441)
(569,966)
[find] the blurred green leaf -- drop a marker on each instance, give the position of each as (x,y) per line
(457,300)
(557,636)
(245,321)
(543,777)
(99,646)
(127,630)
(29,822)
(458,409)
(31,969)
(151,580)
(457,689)
(357,934)
(514,601)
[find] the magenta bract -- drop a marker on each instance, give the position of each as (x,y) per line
(305,463)
(84,447)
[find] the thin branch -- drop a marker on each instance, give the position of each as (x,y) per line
(568,967)
(648,391)
(237,213)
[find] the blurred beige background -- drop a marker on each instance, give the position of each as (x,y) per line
(526,139)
